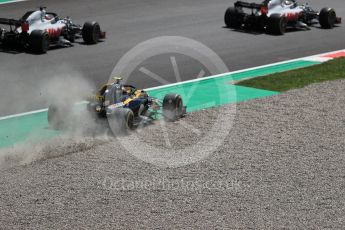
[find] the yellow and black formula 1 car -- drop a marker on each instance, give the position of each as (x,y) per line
(125,107)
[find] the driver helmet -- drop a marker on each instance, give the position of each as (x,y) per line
(43,13)
(288,2)
(118,84)
(117,80)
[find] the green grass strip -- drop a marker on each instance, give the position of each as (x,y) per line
(5,1)
(299,78)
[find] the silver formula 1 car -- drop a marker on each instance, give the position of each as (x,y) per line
(275,16)
(39,30)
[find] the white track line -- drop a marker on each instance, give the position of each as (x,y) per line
(2,3)
(316,57)
(308,58)
(23,114)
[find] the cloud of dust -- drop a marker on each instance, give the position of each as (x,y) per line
(63,87)
(61,146)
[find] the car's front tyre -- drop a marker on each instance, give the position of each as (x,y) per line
(172,107)
(91,32)
(327,18)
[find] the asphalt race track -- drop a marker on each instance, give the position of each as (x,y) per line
(133,21)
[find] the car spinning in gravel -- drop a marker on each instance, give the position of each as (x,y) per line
(275,16)
(124,107)
(38,30)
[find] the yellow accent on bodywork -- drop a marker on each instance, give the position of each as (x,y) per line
(136,94)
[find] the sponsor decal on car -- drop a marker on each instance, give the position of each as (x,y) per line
(54,32)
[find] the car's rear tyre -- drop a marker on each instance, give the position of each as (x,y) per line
(57,116)
(276,24)
(121,120)
(233,18)
(91,32)
(172,107)
(327,18)
(39,41)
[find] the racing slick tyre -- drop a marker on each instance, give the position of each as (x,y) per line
(39,41)
(276,24)
(233,18)
(57,117)
(121,120)
(91,32)
(327,18)
(172,107)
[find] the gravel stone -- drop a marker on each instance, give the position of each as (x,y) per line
(282,165)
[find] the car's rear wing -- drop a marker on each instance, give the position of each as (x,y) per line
(10,22)
(252,5)
(263,7)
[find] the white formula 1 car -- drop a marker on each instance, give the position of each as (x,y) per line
(275,16)
(38,30)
